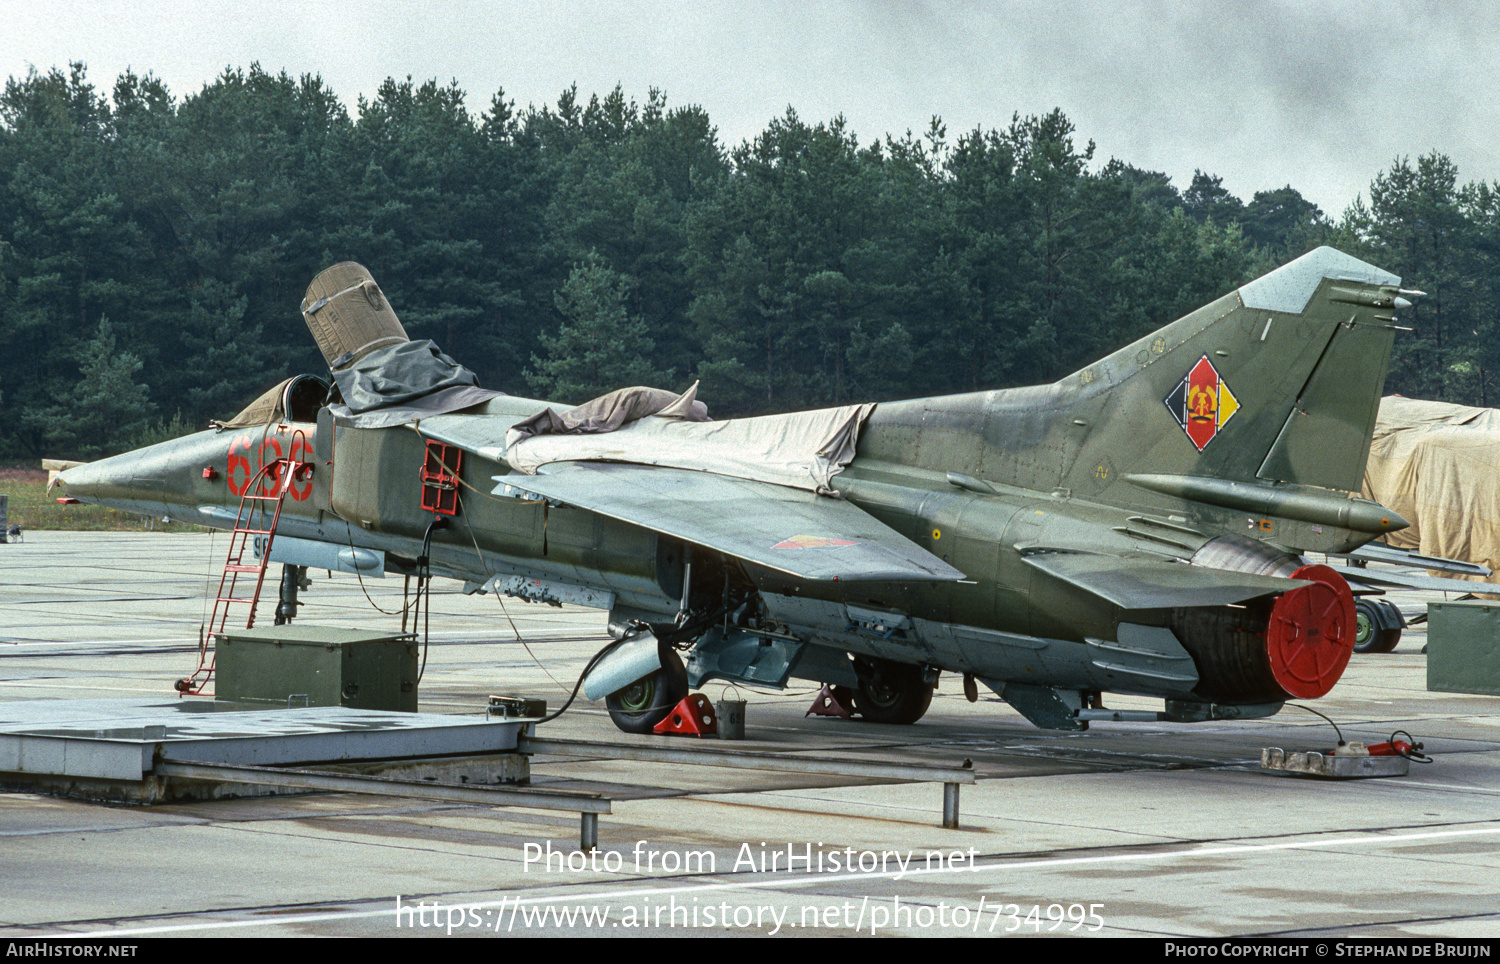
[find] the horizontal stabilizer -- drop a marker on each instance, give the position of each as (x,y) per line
(1378,552)
(1388,579)
(1132,583)
(790,530)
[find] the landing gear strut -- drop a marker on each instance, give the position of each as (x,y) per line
(292,579)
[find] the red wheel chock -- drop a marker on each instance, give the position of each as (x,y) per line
(694,716)
(833,701)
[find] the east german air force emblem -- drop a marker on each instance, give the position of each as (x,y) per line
(1202,403)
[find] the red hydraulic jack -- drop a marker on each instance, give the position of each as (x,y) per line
(694,716)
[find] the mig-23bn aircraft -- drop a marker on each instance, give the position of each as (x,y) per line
(1136,527)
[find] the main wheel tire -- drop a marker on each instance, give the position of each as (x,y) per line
(890,692)
(1368,620)
(637,708)
(1377,626)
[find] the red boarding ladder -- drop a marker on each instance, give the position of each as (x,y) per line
(253,509)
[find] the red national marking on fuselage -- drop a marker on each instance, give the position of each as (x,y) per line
(1202,403)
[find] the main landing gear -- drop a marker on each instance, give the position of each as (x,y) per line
(890,692)
(637,708)
(887,692)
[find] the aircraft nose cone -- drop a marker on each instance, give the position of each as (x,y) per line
(101,479)
(1374,517)
(145,480)
(82,481)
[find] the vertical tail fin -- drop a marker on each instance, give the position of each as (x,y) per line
(1277,381)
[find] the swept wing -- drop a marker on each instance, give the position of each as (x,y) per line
(790,530)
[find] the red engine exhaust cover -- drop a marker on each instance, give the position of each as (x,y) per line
(1311,633)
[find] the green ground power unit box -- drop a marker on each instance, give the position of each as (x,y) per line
(1463,647)
(317,666)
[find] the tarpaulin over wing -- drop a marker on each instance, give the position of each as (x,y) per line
(608,413)
(804,450)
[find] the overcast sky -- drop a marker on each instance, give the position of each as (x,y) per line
(1319,95)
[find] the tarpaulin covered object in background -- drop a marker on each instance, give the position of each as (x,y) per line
(1438,466)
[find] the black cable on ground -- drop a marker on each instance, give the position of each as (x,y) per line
(349,535)
(581,677)
(1330,721)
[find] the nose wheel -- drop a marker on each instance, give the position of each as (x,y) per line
(637,708)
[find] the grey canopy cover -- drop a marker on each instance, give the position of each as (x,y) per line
(403,382)
(269,407)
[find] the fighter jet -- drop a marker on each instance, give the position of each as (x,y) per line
(1137,527)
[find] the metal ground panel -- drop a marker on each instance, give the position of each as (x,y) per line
(118,739)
